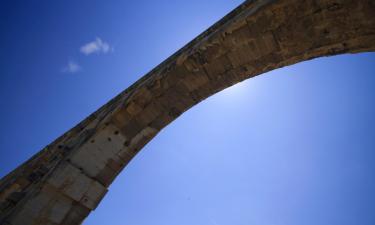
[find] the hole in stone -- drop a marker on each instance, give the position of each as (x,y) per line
(60,146)
(317,10)
(126,143)
(109,139)
(92,141)
(334,6)
(116,132)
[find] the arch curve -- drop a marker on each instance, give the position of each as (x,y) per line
(65,181)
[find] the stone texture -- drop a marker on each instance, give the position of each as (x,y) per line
(66,180)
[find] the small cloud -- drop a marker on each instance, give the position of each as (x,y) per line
(72,67)
(97,46)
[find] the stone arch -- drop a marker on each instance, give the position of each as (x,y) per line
(65,181)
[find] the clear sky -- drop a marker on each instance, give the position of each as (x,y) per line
(295,146)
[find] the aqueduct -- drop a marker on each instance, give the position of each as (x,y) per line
(66,180)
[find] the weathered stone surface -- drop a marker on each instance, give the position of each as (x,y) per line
(65,181)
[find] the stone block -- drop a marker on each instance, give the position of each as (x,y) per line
(205,91)
(38,203)
(192,65)
(21,218)
(195,80)
(172,77)
(161,121)
(48,206)
(85,159)
(142,96)
(218,66)
(59,209)
(109,139)
(70,181)
(142,138)
(149,113)
(76,215)
(238,36)
(266,44)
(131,128)
(93,196)
(133,108)
(244,54)
(106,175)
(121,117)
(258,25)
(154,86)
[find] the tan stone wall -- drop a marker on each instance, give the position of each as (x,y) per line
(67,180)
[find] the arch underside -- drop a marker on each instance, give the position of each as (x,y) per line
(65,181)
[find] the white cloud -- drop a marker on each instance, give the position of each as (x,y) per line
(72,67)
(97,46)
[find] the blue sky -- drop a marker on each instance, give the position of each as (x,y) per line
(294,146)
